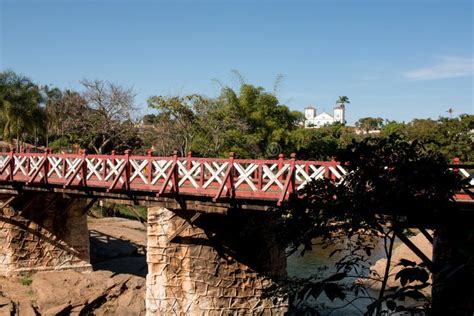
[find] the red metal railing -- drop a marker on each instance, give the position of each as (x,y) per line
(272,180)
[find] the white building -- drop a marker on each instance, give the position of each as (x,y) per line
(312,119)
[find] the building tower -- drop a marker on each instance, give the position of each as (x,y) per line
(309,113)
(339,113)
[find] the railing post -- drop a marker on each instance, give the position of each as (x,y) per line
(28,162)
(202,170)
(292,175)
(84,167)
(260,176)
(40,166)
(81,168)
(171,176)
(64,164)
(333,164)
(456,161)
(289,186)
(228,181)
(46,164)
(12,163)
(127,169)
(149,167)
(188,160)
(112,161)
(280,165)
(175,172)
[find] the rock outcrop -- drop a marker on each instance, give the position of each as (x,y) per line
(116,287)
(400,252)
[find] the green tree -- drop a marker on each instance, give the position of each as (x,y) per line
(54,111)
(368,124)
(452,137)
(455,137)
(22,115)
(251,123)
(321,143)
(176,125)
(343,100)
(393,128)
(268,121)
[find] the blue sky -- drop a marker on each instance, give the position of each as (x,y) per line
(399,60)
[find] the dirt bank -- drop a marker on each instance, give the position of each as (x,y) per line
(115,287)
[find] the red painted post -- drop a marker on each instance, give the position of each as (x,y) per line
(291,188)
(232,171)
(188,160)
(175,171)
(202,170)
(333,164)
(456,161)
(260,177)
(84,167)
(64,162)
(127,169)
(280,165)
(227,182)
(28,162)
(12,163)
(112,161)
(149,167)
(46,164)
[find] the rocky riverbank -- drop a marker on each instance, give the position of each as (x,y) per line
(400,252)
(115,287)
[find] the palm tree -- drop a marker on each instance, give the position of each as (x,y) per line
(343,100)
(20,111)
(450,111)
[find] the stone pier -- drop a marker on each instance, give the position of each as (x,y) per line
(220,265)
(43,231)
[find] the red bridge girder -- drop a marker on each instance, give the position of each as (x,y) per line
(272,180)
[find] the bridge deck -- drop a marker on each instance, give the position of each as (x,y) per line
(239,179)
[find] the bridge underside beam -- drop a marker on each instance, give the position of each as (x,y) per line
(43,231)
(149,199)
(218,264)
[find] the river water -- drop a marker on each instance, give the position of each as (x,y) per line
(317,261)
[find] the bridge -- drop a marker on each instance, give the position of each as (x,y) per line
(211,249)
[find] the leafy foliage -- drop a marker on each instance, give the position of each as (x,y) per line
(246,123)
(369,123)
(21,113)
(389,181)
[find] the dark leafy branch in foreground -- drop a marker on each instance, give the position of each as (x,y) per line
(390,183)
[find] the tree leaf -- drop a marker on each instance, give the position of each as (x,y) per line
(391,305)
(414,294)
(336,277)
(406,263)
(333,291)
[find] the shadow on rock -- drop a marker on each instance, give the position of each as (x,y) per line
(117,255)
